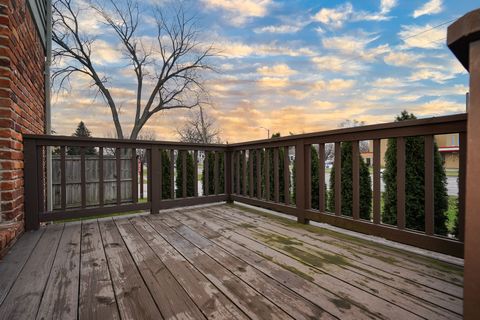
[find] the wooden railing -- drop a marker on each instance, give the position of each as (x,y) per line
(252,175)
(248,186)
(125,189)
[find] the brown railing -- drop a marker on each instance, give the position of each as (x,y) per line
(125,189)
(256,183)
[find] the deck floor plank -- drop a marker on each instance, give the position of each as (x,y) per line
(384,263)
(226,239)
(60,299)
(366,266)
(24,298)
(14,261)
(213,303)
(292,303)
(171,298)
(96,295)
(247,298)
(133,297)
(364,248)
(218,262)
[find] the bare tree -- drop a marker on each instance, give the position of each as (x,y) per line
(363,145)
(199,128)
(170,69)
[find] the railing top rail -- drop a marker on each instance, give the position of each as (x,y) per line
(365,130)
(54,140)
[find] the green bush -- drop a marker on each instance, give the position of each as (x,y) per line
(414,184)
(211,173)
(347,185)
(190,175)
(166,177)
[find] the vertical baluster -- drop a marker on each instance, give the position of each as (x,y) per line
(141,176)
(376,182)
(195,173)
(63,178)
(237,189)
(101,191)
(83,182)
(307,173)
(155,178)
(462,184)
(286,169)
(228,174)
(118,166)
(250,175)
(41,171)
(172,174)
(216,175)
(267,174)
(259,174)
(321,177)
(429,186)
(244,172)
(401,183)
(207,173)
(276,176)
(338,178)
(184,173)
(134,176)
(355,180)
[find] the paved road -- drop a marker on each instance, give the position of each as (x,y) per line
(452,184)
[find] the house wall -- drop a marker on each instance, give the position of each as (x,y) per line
(22,107)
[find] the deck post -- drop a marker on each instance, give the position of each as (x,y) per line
(300,173)
(228,171)
(155,179)
(32,187)
(463,39)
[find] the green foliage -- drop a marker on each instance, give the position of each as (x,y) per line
(211,173)
(190,164)
(414,184)
(166,177)
(81,131)
(347,185)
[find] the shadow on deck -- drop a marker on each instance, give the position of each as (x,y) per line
(218,262)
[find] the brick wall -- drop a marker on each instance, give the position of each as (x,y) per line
(22,107)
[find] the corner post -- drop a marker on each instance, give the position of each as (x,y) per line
(32,220)
(155,179)
(463,39)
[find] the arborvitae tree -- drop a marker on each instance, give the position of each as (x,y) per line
(81,131)
(166,184)
(347,185)
(211,173)
(414,184)
(190,175)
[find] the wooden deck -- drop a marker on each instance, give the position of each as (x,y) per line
(218,262)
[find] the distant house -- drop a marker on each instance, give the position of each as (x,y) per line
(24,47)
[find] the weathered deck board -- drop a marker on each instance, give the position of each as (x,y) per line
(218,262)
(227,238)
(96,296)
(24,297)
(60,299)
(247,298)
(13,262)
(133,298)
(171,298)
(431,290)
(292,303)
(355,253)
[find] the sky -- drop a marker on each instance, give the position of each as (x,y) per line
(289,66)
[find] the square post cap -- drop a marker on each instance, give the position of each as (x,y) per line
(461,33)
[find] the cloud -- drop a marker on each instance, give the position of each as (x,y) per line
(104,53)
(334,63)
(429,8)
(425,37)
(401,58)
(235,49)
(334,17)
(334,85)
(277,70)
(355,46)
(238,12)
(283,28)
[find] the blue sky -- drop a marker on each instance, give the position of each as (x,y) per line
(294,66)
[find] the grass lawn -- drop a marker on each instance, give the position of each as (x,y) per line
(452,213)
